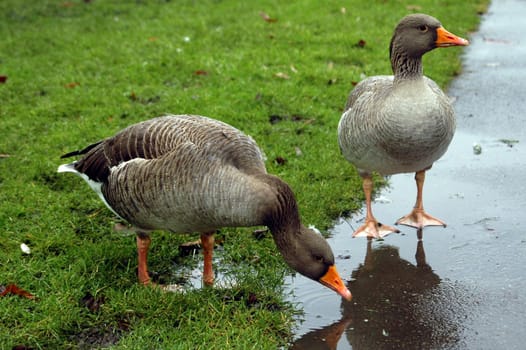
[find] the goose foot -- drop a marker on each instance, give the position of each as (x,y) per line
(418,219)
(373,229)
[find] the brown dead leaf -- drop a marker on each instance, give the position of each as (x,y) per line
(3,79)
(361,43)
(280,160)
(267,18)
(72,85)
(201,72)
(15,290)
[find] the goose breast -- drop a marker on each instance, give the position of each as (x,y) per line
(396,130)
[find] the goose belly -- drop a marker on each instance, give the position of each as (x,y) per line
(399,137)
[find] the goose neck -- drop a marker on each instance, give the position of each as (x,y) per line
(405,66)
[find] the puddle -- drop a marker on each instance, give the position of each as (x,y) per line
(460,287)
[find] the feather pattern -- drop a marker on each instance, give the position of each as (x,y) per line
(187,173)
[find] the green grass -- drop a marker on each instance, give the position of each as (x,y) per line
(78,71)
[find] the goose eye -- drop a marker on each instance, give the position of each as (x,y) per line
(318,258)
(423,28)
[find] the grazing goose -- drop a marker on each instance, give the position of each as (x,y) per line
(401,123)
(187,173)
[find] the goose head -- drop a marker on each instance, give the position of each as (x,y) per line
(303,249)
(310,254)
(417,34)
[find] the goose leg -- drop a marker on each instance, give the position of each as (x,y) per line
(371,228)
(207,242)
(418,218)
(143,244)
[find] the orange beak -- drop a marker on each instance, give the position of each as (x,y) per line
(333,280)
(445,39)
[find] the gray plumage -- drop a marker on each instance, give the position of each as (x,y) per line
(186,173)
(401,123)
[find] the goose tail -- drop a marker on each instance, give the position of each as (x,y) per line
(68,168)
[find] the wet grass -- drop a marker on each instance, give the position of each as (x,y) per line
(78,71)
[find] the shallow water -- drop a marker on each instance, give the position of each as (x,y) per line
(460,287)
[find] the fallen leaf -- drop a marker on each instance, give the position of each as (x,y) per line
(3,79)
(201,72)
(21,347)
(71,85)
(267,18)
(282,75)
(13,289)
(280,160)
(152,38)
(361,43)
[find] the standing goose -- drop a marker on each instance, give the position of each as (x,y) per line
(187,173)
(401,123)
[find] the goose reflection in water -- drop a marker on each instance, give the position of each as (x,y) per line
(396,305)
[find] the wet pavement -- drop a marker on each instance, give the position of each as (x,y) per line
(463,286)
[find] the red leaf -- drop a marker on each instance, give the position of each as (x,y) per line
(13,289)
(3,79)
(267,18)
